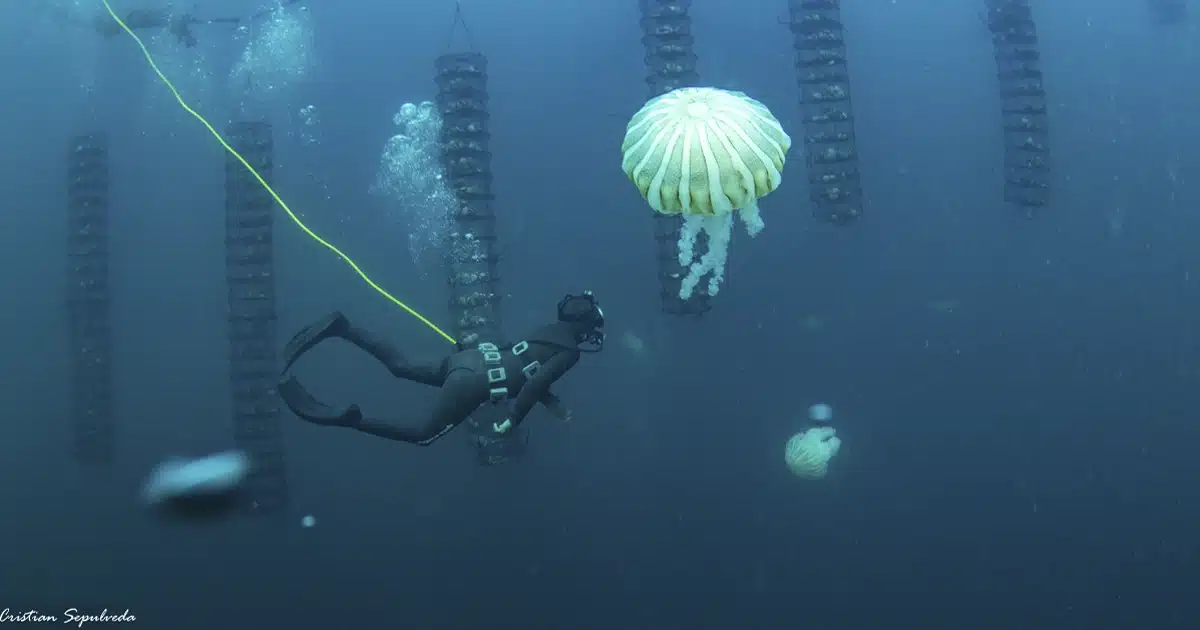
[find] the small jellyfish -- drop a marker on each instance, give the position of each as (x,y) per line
(308,521)
(820,412)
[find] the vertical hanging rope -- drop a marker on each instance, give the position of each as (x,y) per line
(455,23)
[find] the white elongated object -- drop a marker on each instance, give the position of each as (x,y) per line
(197,489)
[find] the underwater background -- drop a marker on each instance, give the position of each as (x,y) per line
(1016,397)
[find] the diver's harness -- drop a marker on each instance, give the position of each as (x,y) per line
(497,376)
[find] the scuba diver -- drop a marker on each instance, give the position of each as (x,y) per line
(518,376)
(180,26)
(152,19)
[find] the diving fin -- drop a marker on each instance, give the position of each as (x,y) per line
(333,325)
(309,409)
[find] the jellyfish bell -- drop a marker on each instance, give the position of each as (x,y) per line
(807,454)
(704,151)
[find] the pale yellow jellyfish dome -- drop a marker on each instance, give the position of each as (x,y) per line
(703,153)
(808,453)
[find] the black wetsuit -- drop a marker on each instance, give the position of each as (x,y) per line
(149,19)
(529,367)
(180,27)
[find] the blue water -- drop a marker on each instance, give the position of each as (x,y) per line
(1016,398)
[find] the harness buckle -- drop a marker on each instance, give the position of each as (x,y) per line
(497,375)
(491,353)
(520,348)
(531,369)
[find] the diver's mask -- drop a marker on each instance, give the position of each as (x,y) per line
(584,309)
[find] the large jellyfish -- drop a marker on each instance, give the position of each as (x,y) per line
(703,153)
